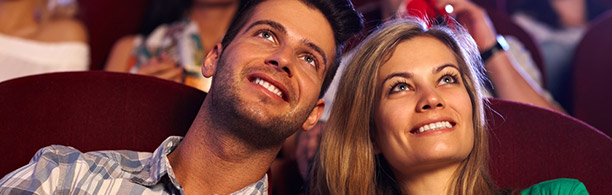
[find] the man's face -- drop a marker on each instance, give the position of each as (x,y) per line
(269,77)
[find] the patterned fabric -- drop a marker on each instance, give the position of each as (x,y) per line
(65,170)
(182,42)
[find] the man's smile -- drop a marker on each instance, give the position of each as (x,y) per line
(270,86)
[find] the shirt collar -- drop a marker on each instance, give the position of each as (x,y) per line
(159,166)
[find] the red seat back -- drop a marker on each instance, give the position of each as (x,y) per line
(531,144)
(91,111)
(591,74)
(107,21)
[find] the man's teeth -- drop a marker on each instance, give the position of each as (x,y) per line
(269,86)
(435,126)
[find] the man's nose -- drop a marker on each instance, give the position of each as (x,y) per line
(282,59)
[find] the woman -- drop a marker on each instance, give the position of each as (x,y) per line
(174,39)
(408,117)
(40,36)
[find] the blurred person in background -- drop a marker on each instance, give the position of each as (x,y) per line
(557,26)
(40,36)
(511,79)
(173,40)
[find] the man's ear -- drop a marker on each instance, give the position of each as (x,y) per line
(211,61)
(314,116)
(376,148)
(375,143)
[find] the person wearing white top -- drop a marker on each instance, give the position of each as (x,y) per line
(40,36)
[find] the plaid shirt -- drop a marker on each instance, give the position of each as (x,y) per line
(65,170)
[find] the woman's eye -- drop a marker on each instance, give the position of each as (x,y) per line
(310,60)
(447,79)
(400,87)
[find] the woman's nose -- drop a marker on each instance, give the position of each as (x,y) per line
(430,100)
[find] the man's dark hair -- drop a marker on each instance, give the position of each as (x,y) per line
(340,14)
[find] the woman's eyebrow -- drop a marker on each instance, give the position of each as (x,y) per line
(440,68)
(406,75)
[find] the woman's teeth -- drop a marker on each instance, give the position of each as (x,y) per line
(268,86)
(434,126)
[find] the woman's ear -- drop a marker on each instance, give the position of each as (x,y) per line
(211,61)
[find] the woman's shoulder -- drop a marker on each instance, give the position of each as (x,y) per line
(121,52)
(63,30)
(557,186)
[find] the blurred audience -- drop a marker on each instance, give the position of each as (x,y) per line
(173,40)
(40,36)
(557,26)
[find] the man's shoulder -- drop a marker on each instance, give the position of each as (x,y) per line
(57,154)
(69,157)
(55,169)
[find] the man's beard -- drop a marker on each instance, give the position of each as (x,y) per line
(246,122)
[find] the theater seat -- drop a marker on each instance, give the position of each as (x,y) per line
(497,5)
(591,74)
(107,21)
(530,144)
(91,111)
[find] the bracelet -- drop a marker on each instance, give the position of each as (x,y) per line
(500,45)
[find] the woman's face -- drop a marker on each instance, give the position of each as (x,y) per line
(423,112)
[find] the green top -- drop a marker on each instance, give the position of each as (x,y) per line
(557,187)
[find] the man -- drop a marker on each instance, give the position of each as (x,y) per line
(270,71)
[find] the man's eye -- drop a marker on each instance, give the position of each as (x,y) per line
(310,60)
(266,35)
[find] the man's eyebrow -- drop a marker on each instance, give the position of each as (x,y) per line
(440,68)
(406,75)
(317,49)
(274,25)
(279,27)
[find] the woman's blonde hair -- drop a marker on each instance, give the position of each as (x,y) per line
(346,162)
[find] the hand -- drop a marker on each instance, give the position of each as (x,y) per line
(474,19)
(163,68)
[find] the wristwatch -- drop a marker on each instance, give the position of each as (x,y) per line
(500,45)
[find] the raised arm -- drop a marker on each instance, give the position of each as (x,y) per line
(510,81)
